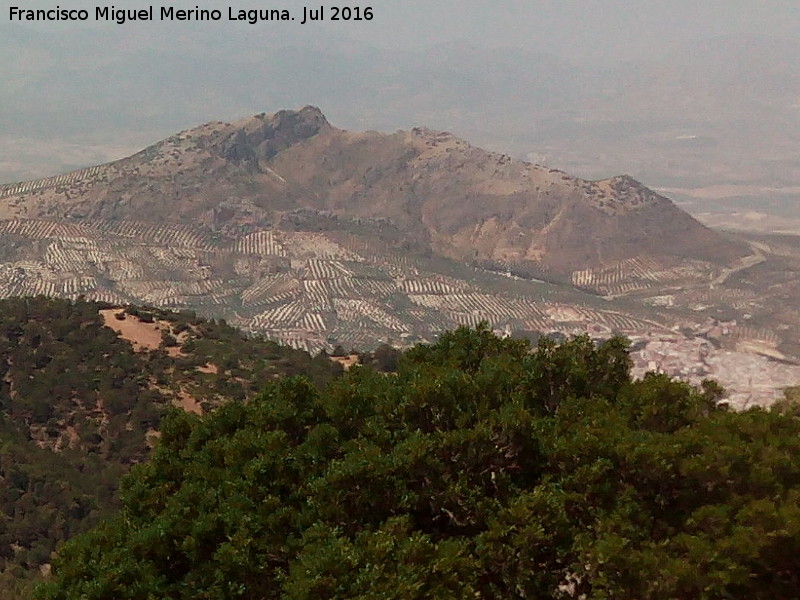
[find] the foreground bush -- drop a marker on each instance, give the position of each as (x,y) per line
(479,470)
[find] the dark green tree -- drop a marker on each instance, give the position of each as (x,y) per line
(482,469)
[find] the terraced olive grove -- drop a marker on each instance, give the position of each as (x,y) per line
(309,290)
(315,237)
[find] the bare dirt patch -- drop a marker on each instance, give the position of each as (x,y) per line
(175,351)
(188,403)
(151,437)
(143,336)
(347,361)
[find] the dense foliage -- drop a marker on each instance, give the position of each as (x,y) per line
(479,470)
(45,498)
(77,403)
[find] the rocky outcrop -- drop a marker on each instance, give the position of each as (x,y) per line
(265,136)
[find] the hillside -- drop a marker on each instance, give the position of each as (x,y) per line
(437,190)
(84,387)
(316,236)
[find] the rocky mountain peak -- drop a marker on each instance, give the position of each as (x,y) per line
(263,136)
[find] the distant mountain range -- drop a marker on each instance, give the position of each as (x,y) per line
(315,235)
(718,112)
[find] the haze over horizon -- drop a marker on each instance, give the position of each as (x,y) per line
(591,32)
(679,95)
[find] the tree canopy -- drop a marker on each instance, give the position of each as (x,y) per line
(481,469)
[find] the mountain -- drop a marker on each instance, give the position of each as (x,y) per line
(437,190)
(717,111)
(83,389)
(314,235)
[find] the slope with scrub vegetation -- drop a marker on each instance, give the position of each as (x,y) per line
(79,404)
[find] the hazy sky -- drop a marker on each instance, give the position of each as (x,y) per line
(586,31)
(74,95)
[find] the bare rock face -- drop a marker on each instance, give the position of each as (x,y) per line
(254,141)
(434,189)
(237,149)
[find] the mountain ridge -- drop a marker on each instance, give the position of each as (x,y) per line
(460,201)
